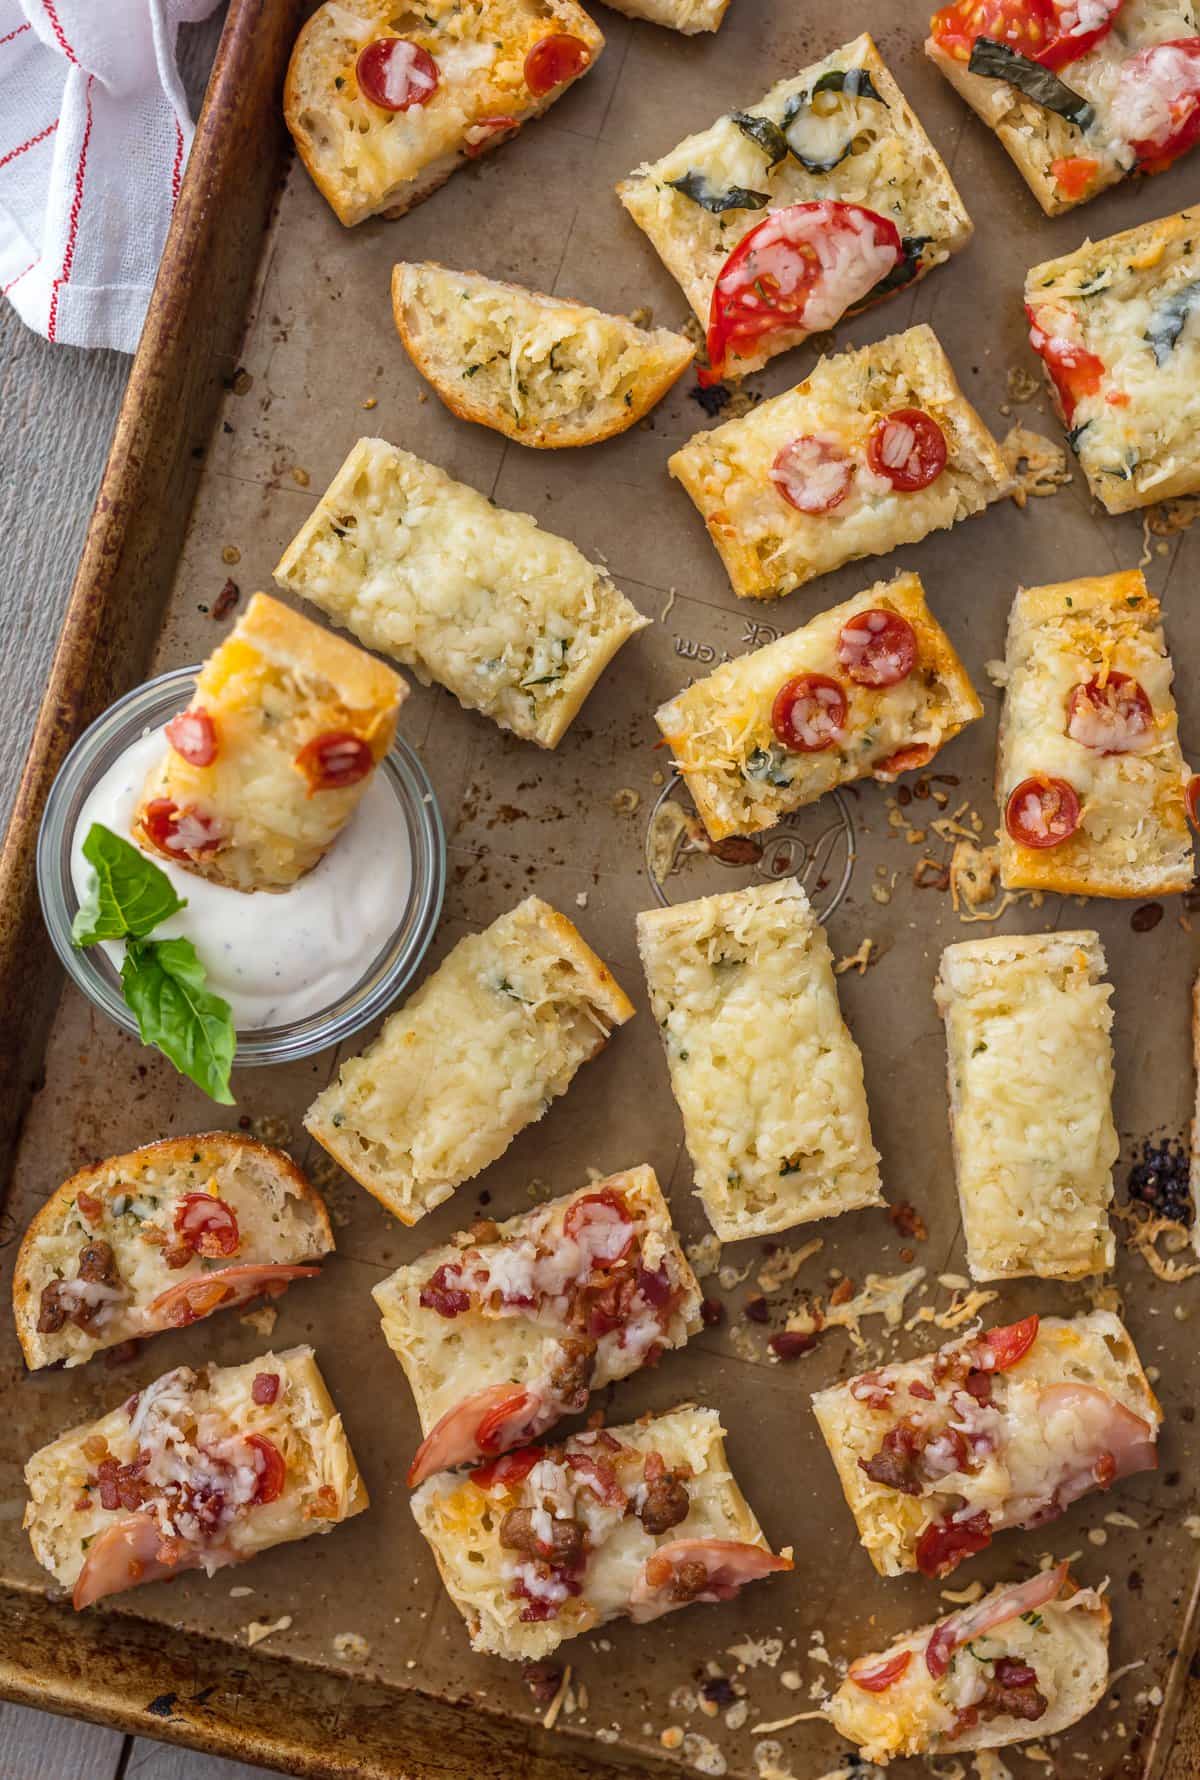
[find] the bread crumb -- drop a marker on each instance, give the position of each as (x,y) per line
(581,899)
(1097,1536)
(672,1737)
(781,1267)
(1037,465)
(755,1651)
(262,1320)
(240,1591)
(258,1629)
(705,1255)
(352,1647)
(858,961)
(231,554)
(963,1597)
(371,402)
(1021,384)
(703,1755)
(300,476)
(625,801)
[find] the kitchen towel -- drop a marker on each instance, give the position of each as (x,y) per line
(94,136)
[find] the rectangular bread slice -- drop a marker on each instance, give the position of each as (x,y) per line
(273,755)
(160,1237)
(766,1075)
(744,778)
(861,144)
(768,545)
(541,1545)
(479,1052)
(198,1470)
(1119,89)
(510,1326)
(1028,1660)
(1088,713)
(491,76)
(514,621)
(1117,326)
(1004,1429)
(688,16)
(1028,1044)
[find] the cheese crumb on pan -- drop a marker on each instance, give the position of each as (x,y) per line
(766,1075)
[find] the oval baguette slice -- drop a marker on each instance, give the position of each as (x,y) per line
(195,1471)
(159,1238)
(539,370)
(1028,1660)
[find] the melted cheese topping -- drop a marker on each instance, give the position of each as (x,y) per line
(1021,1456)
(188,1422)
(1065,1642)
(1133,835)
(767,1077)
(479,1052)
(461,1523)
(1031,1076)
(890,167)
(365,158)
(768,546)
(1133,301)
(448,1358)
(513,620)
(688,16)
(720,730)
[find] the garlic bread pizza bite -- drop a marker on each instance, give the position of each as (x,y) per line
(511,1326)
(765,1073)
(1080,95)
(1092,786)
(270,759)
(385,101)
(542,371)
(875,449)
(544,1543)
(514,621)
(688,16)
(479,1052)
(819,200)
(1028,1660)
(995,1430)
(159,1238)
(1028,1026)
(1116,327)
(198,1470)
(871,688)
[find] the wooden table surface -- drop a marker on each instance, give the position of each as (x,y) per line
(59,406)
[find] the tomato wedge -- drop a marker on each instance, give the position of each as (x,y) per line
(813,474)
(798,270)
(1024,25)
(1073,174)
(875,1675)
(877,647)
(333,760)
(809,713)
(553,60)
(908,448)
(1074,371)
(193,735)
(1003,1347)
(396,74)
(1156,106)
(1116,718)
(207,1225)
(271,1468)
(509,1469)
(1042,812)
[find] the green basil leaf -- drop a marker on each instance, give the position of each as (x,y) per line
(996,61)
(766,132)
(128,896)
(768,764)
(1169,319)
(164,985)
(696,187)
(854,82)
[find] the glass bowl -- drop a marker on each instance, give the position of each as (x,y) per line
(148,707)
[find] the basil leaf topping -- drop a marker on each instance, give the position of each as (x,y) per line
(128,895)
(766,132)
(855,82)
(767,764)
(696,187)
(1169,319)
(996,61)
(163,983)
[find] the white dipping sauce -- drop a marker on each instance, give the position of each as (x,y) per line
(274,957)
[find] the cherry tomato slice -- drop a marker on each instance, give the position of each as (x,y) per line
(553,60)
(173,830)
(1077,29)
(877,1676)
(877,647)
(908,448)
(272,1472)
(1042,812)
(600,1223)
(486,133)
(1024,25)
(904,760)
(813,474)
(396,74)
(943,1546)
(193,735)
(1156,105)
(333,760)
(809,713)
(1074,371)
(802,267)
(1004,1347)
(1116,718)
(207,1225)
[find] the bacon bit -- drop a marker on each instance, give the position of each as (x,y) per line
(325,1507)
(790,1344)
(756,1310)
(89,1207)
(908,1221)
(226,600)
(712,1313)
(842,1292)
(931,874)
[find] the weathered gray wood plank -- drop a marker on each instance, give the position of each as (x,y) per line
(38,1746)
(155,1761)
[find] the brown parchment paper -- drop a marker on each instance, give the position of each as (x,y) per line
(322,366)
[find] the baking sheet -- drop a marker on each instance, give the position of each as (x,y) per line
(321,367)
